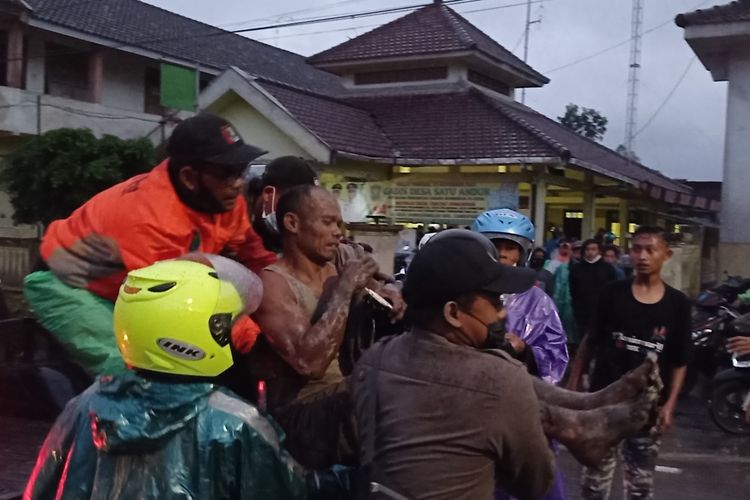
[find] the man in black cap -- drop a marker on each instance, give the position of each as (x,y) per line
(435,398)
(192,201)
(444,415)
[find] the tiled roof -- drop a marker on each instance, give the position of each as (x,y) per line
(453,126)
(733,12)
(587,150)
(138,24)
(434,29)
(342,126)
(465,126)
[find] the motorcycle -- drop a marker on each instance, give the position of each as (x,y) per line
(712,312)
(730,389)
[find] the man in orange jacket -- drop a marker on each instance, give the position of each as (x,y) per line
(192,201)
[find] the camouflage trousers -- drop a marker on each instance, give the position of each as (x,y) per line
(638,454)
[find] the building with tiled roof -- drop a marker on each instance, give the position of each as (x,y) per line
(720,37)
(429,98)
(428,94)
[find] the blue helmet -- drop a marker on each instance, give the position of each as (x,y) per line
(506,224)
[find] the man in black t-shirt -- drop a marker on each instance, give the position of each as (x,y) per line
(632,319)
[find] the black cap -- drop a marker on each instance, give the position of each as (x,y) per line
(208,138)
(289,171)
(458,262)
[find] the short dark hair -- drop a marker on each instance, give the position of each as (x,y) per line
(591,241)
(613,248)
(539,249)
(292,201)
(425,317)
(655,231)
(288,171)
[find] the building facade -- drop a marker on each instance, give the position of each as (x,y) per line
(720,37)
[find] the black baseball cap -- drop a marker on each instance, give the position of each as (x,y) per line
(459,262)
(208,138)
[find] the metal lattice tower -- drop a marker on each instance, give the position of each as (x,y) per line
(636,34)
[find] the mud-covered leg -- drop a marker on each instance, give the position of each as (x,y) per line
(627,387)
(589,434)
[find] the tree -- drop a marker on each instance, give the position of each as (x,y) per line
(624,151)
(586,121)
(51,175)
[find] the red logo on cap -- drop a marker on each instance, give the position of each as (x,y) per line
(230,134)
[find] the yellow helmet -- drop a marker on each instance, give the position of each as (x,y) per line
(176,316)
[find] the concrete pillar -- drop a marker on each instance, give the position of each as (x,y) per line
(14,72)
(96,76)
(35,65)
(539,196)
(623,218)
(589,214)
(734,235)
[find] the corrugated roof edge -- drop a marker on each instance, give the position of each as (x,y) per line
(713,15)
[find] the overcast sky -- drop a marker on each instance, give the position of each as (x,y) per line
(684,140)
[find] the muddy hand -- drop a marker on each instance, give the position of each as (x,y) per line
(358,272)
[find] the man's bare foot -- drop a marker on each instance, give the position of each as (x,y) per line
(629,385)
(589,434)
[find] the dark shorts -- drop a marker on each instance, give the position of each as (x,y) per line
(321,429)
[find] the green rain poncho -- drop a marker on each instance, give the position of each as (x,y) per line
(129,437)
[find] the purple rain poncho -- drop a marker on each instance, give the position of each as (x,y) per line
(532,316)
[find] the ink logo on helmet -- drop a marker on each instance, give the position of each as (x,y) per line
(230,134)
(181,349)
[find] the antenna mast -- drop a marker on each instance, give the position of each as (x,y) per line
(526,34)
(636,34)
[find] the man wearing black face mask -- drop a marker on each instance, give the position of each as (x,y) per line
(439,418)
(192,201)
(443,407)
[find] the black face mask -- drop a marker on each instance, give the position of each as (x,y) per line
(495,336)
(536,262)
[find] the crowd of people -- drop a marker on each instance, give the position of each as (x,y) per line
(244,348)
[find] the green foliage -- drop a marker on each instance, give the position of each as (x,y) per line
(586,121)
(51,175)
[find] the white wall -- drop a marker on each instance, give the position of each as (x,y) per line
(19,108)
(255,128)
(735,202)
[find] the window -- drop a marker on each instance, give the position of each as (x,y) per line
(66,72)
(574,215)
(488,82)
(401,75)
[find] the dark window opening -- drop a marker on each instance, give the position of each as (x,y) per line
(401,75)
(152,91)
(204,79)
(66,72)
(488,82)
(3,58)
